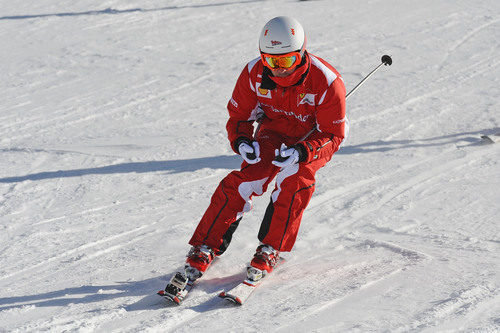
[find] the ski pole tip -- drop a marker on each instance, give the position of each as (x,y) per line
(387,60)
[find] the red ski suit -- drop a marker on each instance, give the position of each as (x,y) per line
(317,101)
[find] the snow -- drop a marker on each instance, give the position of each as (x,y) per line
(112,122)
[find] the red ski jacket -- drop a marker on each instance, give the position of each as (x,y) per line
(316,101)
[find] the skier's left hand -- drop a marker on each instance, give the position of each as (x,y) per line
(286,156)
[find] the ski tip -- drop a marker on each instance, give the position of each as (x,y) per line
(233,299)
(174,299)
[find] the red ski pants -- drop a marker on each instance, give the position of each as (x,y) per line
(233,197)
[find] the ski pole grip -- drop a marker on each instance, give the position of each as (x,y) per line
(280,158)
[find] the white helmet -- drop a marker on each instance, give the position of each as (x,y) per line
(282,34)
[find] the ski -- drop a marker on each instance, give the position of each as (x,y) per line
(241,292)
(244,290)
(177,289)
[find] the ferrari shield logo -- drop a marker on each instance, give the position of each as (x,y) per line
(306,99)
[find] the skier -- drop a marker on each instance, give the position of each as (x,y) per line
(292,93)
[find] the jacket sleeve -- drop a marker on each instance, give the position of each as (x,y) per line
(241,106)
(331,124)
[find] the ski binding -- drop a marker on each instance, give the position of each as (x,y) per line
(177,289)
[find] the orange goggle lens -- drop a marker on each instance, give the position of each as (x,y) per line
(274,61)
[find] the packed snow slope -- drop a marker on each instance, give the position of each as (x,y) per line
(112,140)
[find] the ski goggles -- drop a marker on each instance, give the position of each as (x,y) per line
(288,60)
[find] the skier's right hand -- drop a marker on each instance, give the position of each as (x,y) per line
(249,150)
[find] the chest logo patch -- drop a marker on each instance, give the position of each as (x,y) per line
(306,99)
(261,92)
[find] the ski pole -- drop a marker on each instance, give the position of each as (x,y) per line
(386,60)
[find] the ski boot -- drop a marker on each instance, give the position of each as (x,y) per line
(198,260)
(263,262)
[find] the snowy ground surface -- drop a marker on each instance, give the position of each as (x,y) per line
(112,140)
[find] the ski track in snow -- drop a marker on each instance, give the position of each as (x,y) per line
(104,169)
(66,118)
(366,189)
(91,250)
(78,255)
(464,39)
(460,304)
(375,275)
(149,196)
(436,89)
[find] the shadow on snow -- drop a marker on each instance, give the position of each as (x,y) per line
(121,11)
(101,293)
(234,161)
(176,166)
(460,139)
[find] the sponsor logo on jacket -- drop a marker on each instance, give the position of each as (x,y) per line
(301,117)
(261,92)
(306,99)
